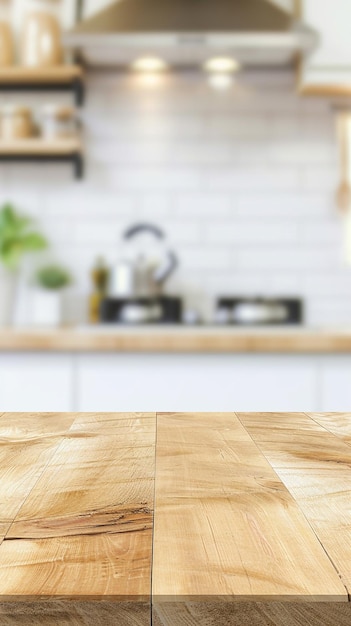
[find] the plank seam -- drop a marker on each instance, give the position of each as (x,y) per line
(331,432)
(153,528)
(297,504)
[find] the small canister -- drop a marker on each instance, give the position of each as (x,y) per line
(16,123)
(58,122)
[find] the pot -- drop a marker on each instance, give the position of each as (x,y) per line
(46,307)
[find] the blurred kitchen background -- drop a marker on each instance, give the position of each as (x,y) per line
(185,171)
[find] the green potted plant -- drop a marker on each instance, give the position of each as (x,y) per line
(47,303)
(17,238)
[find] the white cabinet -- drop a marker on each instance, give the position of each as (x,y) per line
(335,384)
(36,382)
(172,382)
(329,68)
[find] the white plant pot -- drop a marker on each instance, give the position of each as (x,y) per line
(8,282)
(46,307)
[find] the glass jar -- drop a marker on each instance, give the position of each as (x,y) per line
(58,122)
(15,123)
(41,36)
(6,36)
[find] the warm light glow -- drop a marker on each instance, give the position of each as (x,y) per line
(149,64)
(221,82)
(149,80)
(222,65)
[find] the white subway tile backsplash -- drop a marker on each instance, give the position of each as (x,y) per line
(200,258)
(240,126)
(288,258)
(254,179)
(333,285)
(250,232)
(155,179)
(81,205)
(161,153)
(280,207)
(243,182)
(154,206)
(202,205)
(329,233)
(322,179)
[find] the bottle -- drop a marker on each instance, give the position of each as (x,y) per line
(99,275)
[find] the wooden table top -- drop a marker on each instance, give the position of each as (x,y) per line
(194,519)
(177,340)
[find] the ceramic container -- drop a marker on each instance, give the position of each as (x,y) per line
(46,307)
(41,36)
(15,123)
(58,122)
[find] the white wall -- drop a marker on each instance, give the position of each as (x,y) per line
(287,5)
(244,183)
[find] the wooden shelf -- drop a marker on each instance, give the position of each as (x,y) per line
(59,78)
(40,146)
(41,150)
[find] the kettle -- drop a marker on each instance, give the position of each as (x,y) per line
(141,275)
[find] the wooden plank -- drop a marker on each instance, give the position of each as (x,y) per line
(226,529)
(27,443)
(86,527)
(323,492)
(337,423)
(324,496)
(252,614)
(302,444)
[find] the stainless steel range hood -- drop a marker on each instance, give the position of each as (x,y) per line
(188,32)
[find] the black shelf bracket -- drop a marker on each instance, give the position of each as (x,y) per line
(76,86)
(76,159)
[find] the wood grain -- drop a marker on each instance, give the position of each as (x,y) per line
(324,496)
(338,424)
(252,614)
(306,446)
(27,443)
(179,340)
(85,530)
(62,613)
(225,526)
(323,492)
(234,541)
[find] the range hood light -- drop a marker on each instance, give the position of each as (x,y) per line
(222,65)
(149,65)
